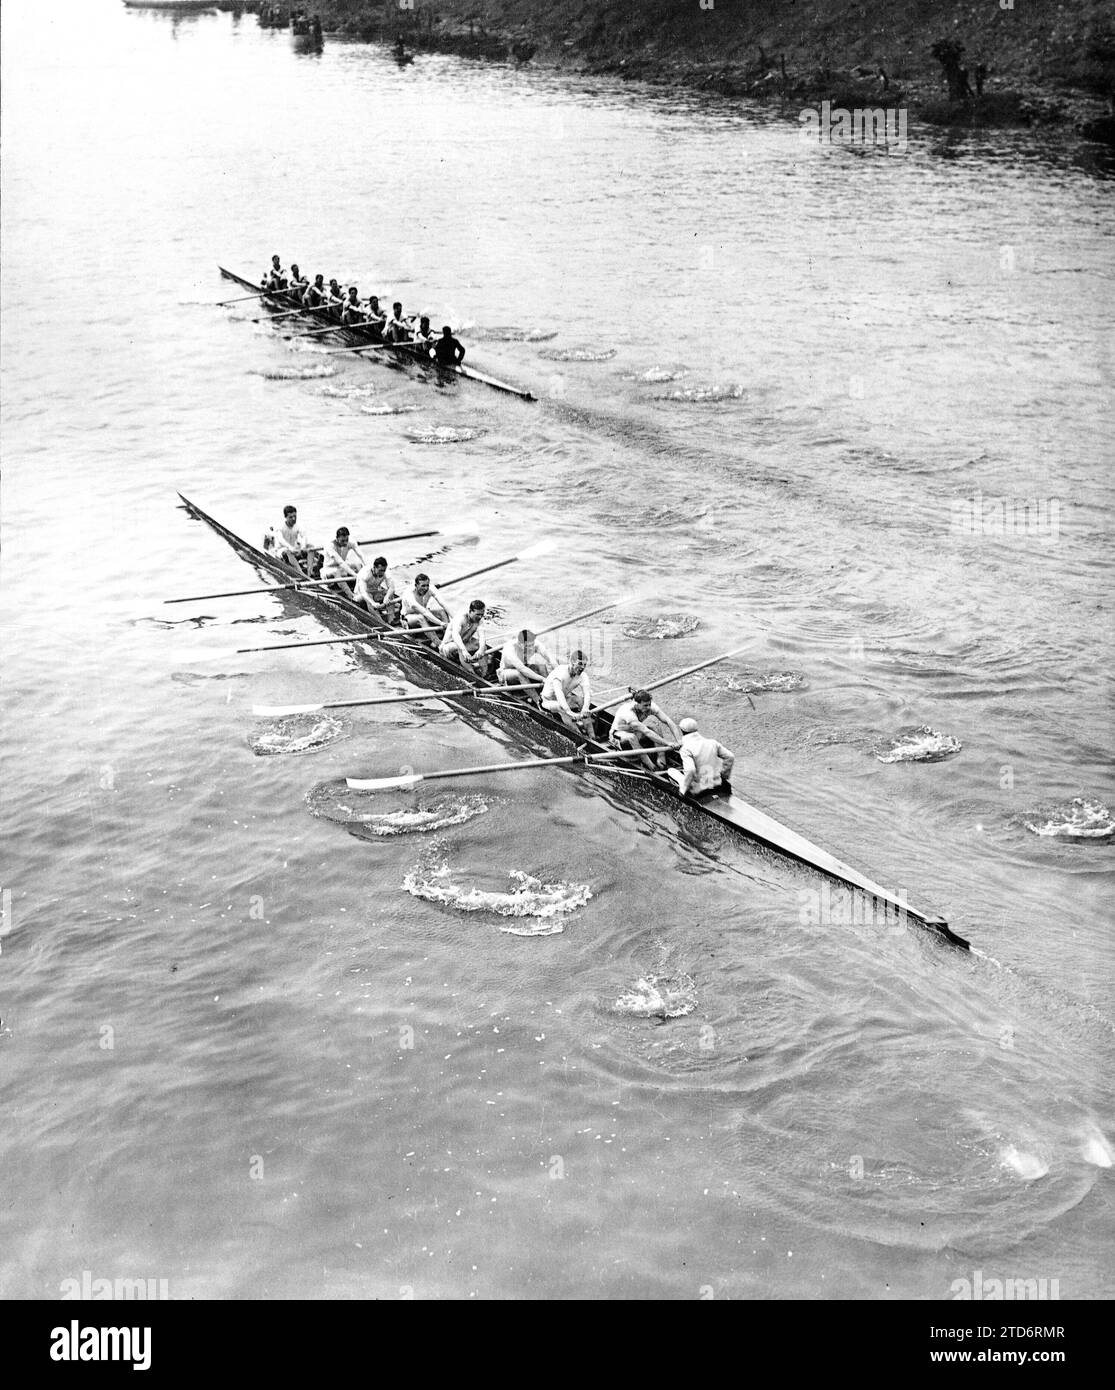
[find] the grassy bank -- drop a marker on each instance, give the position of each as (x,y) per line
(1042,61)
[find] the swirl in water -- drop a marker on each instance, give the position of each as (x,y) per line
(918,745)
(665,626)
(419,820)
(659,996)
(578,354)
(766,683)
(532,898)
(515,335)
(293,373)
(442,434)
(703,395)
(1078,819)
(291,735)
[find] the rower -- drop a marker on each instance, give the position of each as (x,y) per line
(524,660)
(351,312)
(423,607)
(423,335)
(334,299)
(567,694)
(462,640)
(342,561)
(298,281)
(375,318)
(448,352)
(706,764)
(398,327)
(290,542)
(274,277)
(630,729)
(375,589)
(315,293)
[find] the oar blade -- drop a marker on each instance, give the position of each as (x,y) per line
(544,547)
(384,784)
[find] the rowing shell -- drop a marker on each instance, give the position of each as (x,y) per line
(356,336)
(530,724)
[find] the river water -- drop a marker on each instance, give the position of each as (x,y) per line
(795,395)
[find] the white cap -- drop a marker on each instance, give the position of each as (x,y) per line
(688,726)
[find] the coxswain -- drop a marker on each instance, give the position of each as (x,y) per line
(631,730)
(706,765)
(375,318)
(423,607)
(315,293)
(274,277)
(298,282)
(524,660)
(351,311)
(448,352)
(463,641)
(375,589)
(290,542)
(398,326)
(342,561)
(567,694)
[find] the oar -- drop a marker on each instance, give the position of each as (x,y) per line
(452,529)
(286,314)
(677,675)
(278,711)
(398,634)
(381,784)
(531,553)
(263,294)
(579,617)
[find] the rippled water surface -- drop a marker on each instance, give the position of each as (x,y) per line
(792,395)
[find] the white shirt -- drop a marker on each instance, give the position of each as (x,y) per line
(704,761)
(626,720)
(367,587)
(514,649)
(415,607)
(339,563)
(561,683)
(292,537)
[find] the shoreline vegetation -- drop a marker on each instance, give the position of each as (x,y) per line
(993,63)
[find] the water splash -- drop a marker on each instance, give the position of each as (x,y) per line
(509,334)
(531,898)
(1094,1147)
(1027,1166)
(442,434)
(295,734)
(656,376)
(388,410)
(662,628)
(294,373)
(918,745)
(417,820)
(766,683)
(338,802)
(1078,819)
(578,354)
(659,996)
(705,394)
(349,393)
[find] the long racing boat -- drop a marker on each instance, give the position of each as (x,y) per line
(360,339)
(529,725)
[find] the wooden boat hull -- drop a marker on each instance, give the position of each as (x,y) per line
(529,723)
(356,337)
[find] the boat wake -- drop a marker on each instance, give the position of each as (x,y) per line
(545,902)
(919,744)
(442,434)
(662,628)
(1078,819)
(658,996)
(418,820)
(766,683)
(578,354)
(508,334)
(294,373)
(337,802)
(705,394)
(296,734)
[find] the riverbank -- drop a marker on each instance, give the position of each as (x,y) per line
(1035,63)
